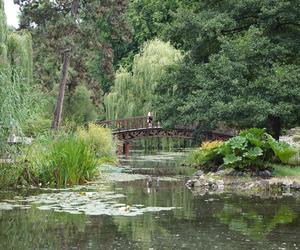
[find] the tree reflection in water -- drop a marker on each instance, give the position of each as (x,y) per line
(249,222)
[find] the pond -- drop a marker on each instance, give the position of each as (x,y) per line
(110,214)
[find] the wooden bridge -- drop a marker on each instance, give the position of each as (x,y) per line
(133,128)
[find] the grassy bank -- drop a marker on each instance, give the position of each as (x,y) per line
(283,170)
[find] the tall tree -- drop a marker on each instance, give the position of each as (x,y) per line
(99,29)
(242,65)
(64,71)
(133,92)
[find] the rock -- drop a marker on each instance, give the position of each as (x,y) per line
(221,168)
(265,184)
(220,184)
(189,183)
(277,187)
(265,174)
(198,173)
(199,183)
(295,186)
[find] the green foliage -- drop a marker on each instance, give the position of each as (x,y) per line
(133,92)
(206,157)
(281,149)
(9,175)
(70,158)
(20,54)
(282,170)
(101,141)
(20,104)
(102,32)
(79,107)
(251,150)
(3,25)
(68,161)
(242,68)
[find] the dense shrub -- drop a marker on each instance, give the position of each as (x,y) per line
(100,139)
(207,156)
(251,150)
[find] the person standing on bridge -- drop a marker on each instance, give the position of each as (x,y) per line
(149,119)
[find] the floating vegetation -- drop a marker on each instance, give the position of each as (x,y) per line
(88,203)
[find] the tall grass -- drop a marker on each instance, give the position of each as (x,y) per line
(67,159)
(100,140)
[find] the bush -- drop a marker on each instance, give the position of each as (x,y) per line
(207,157)
(100,139)
(251,150)
(295,160)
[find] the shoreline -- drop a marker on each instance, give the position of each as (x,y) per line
(219,182)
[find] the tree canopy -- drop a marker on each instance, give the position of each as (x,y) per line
(242,68)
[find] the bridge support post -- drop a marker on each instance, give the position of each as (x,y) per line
(120,148)
(126,148)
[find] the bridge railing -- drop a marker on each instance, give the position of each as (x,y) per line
(137,122)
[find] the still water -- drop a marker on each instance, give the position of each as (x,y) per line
(128,215)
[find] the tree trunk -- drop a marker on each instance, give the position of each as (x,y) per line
(275,124)
(64,75)
(62,86)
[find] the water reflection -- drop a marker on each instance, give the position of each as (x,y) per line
(211,221)
(249,222)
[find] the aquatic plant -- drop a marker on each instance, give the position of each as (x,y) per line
(68,158)
(67,161)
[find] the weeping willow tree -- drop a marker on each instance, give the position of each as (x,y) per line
(133,92)
(3,39)
(19,99)
(20,54)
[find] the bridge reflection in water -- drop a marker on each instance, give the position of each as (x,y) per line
(134,128)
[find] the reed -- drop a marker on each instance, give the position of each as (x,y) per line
(66,161)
